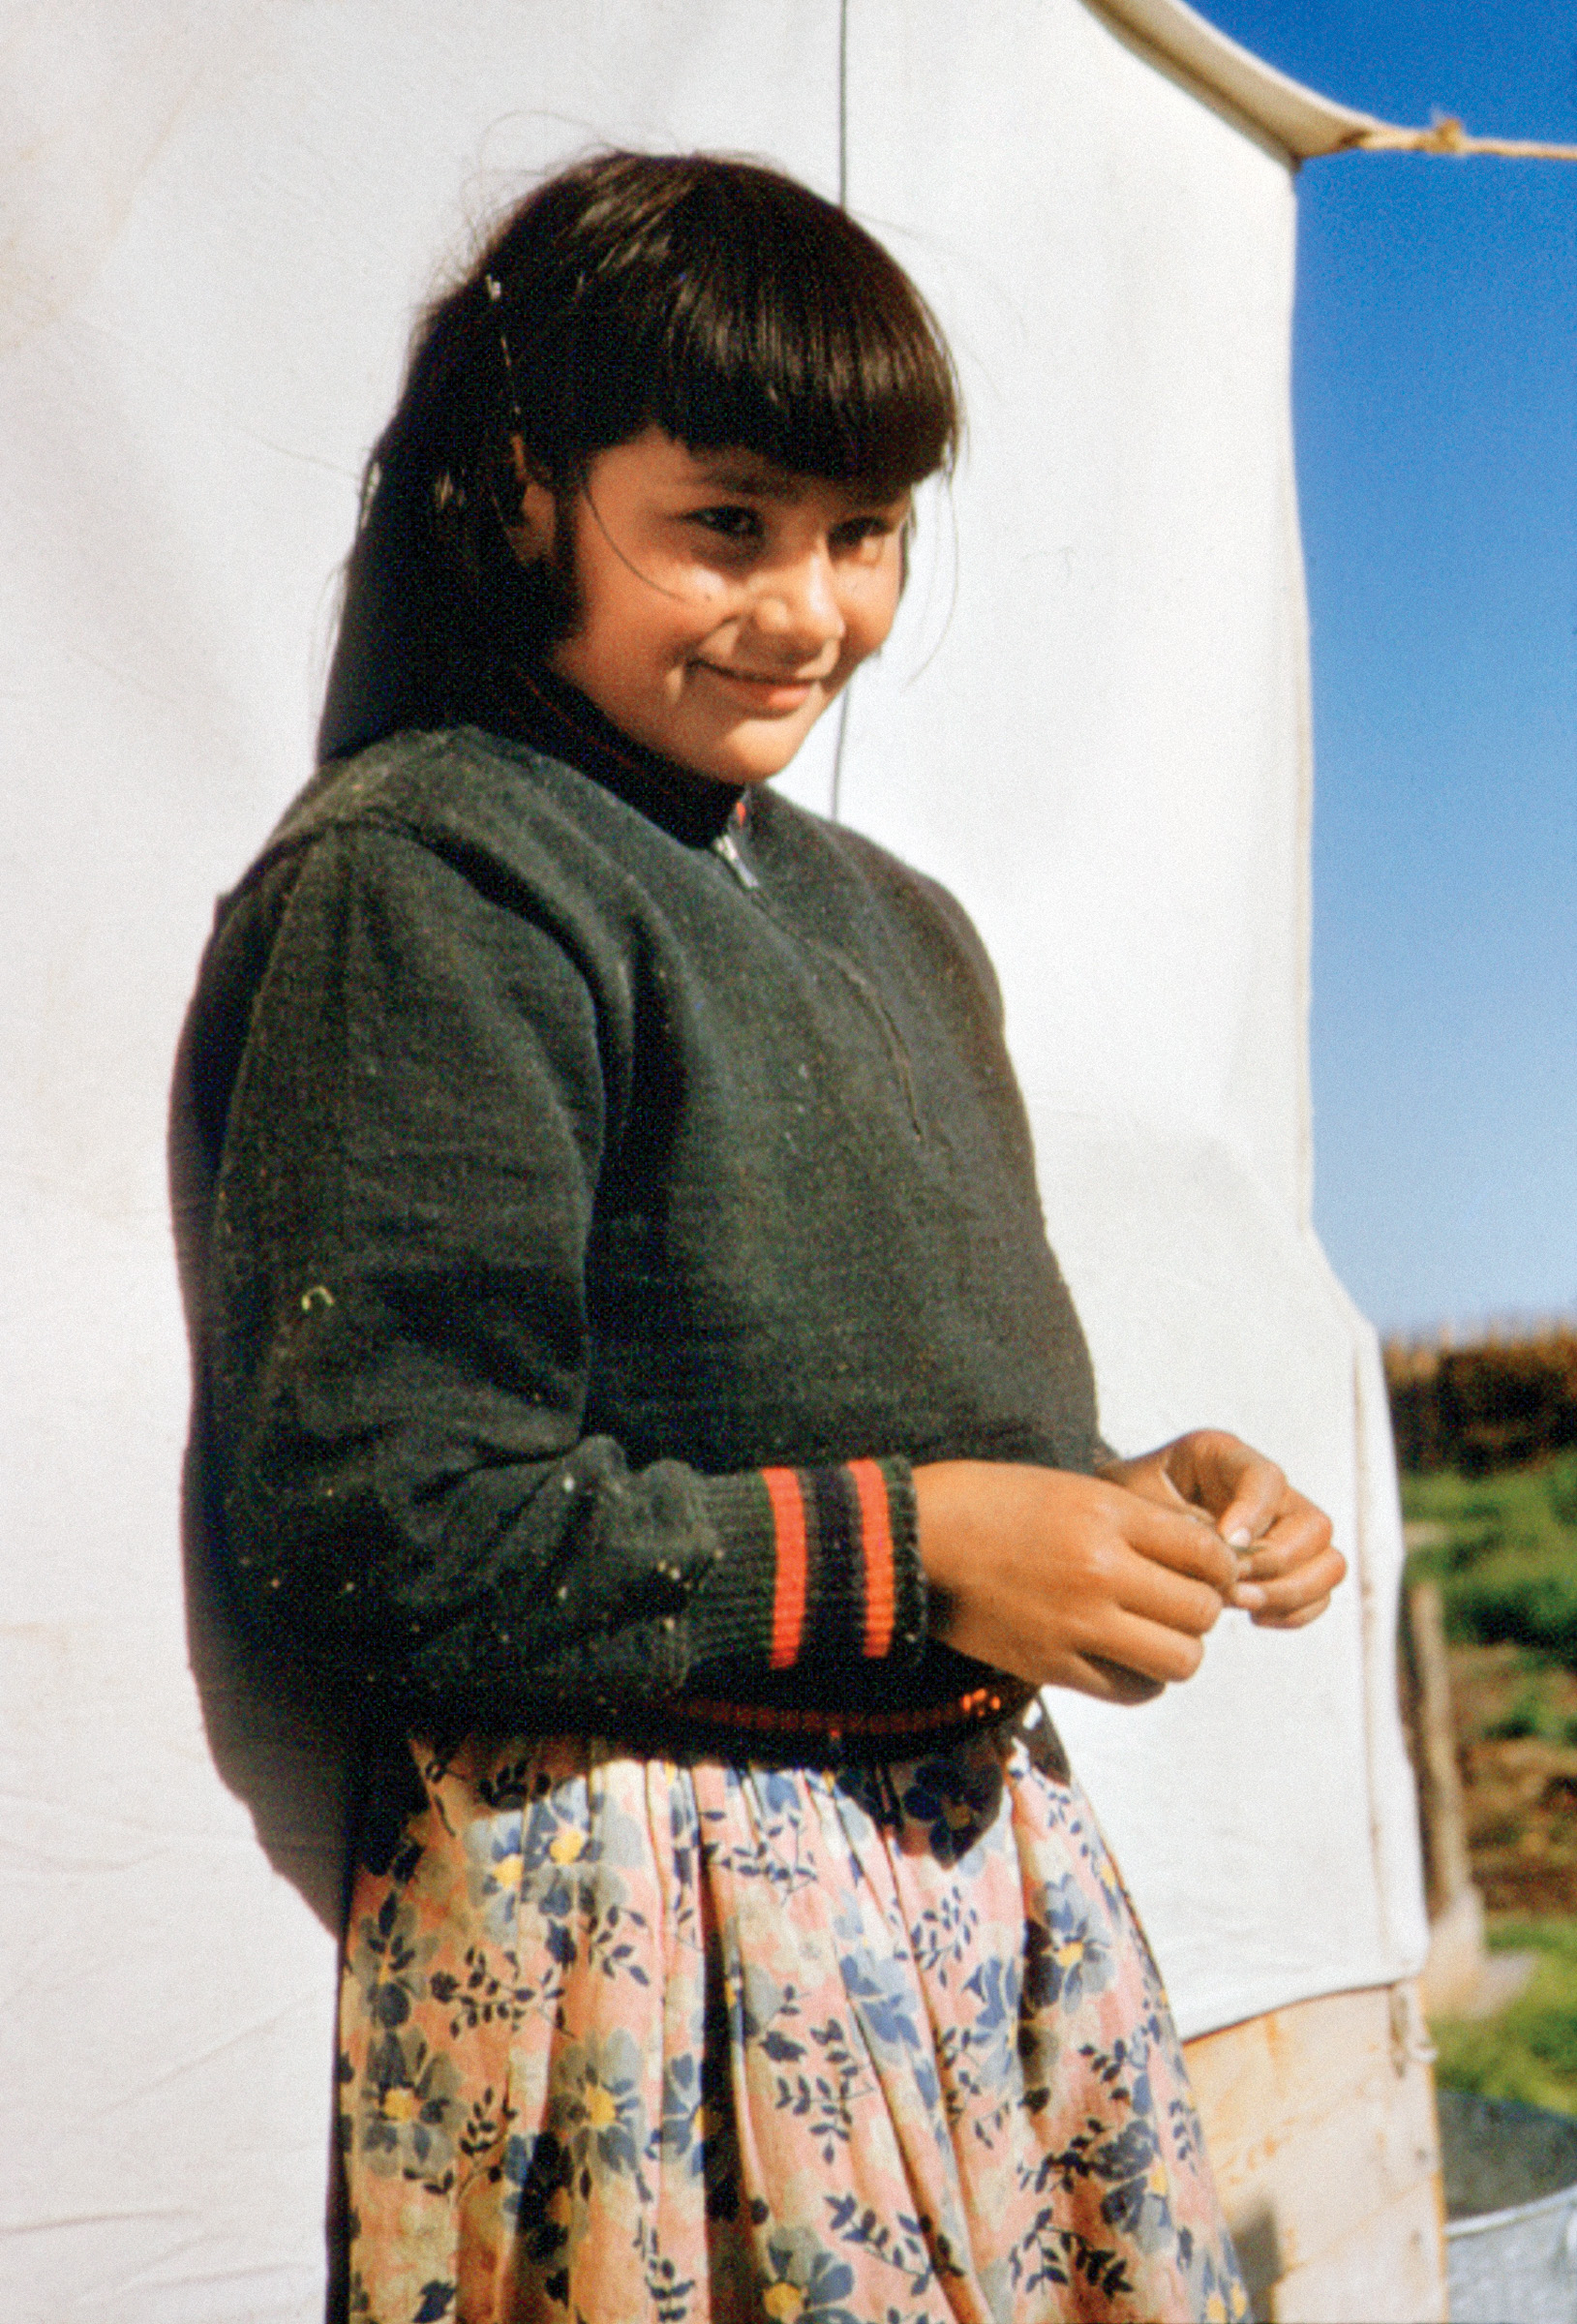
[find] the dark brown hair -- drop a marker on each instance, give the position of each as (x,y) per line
(716,299)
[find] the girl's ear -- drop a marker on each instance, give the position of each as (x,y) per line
(531,534)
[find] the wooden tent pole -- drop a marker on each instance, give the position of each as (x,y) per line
(1449,136)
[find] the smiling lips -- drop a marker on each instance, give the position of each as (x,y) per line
(768,691)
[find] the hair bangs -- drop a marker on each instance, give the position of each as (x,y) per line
(730,305)
(823,360)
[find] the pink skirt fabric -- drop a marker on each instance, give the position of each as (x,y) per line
(632,2038)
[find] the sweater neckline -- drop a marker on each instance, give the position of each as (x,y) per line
(556,718)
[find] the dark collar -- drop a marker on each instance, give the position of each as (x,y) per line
(557,720)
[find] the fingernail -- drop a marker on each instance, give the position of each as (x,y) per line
(1239,1538)
(1248,1596)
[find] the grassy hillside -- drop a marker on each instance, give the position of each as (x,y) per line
(1530,2050)
(1503,1550)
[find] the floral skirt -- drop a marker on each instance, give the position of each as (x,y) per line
(630,2037)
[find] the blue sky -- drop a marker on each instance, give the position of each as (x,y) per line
(1436,417)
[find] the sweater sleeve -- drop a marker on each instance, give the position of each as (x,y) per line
(411,1119)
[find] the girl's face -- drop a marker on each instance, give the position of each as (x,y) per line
(723,601)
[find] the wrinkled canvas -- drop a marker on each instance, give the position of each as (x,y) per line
(1091,723)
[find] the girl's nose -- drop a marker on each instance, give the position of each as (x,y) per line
(797,603)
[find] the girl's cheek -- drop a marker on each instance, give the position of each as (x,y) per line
(700,584)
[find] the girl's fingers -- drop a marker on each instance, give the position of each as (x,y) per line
(1184,1543)
(1114,1682)
(1298,1541)
(1243,1491)
(1253,1507)
(1150,1592)
(1292,1566)
(1154,1650)
(1107,1584)
(1269,1620)
(1288,1578)
(1308,1583)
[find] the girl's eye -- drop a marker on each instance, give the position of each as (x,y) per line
(864,532)
(733,520)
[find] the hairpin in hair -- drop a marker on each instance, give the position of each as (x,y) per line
(517,434)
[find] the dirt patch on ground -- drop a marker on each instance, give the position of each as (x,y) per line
(1516,1728)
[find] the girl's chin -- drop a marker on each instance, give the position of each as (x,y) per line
(752,754)
(741,749)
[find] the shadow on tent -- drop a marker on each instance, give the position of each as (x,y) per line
(294,1775)
(291,1771)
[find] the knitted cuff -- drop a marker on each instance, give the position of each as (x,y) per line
(819,1567)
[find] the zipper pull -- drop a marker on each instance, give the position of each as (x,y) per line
(724,845)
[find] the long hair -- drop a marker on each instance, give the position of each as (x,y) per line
(718,300)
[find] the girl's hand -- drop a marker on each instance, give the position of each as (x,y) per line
(1069,1580)
(1288,1568)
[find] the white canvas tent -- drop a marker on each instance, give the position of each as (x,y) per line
(1092,724)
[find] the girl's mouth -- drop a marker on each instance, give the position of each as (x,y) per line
(767,690)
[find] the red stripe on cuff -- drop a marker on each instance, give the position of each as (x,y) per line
(787,1497)
(876,1544)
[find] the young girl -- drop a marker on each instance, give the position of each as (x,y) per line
(644,1404)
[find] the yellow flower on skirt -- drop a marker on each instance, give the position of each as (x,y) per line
(629,2037)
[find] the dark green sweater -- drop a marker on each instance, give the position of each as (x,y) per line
(615,1187)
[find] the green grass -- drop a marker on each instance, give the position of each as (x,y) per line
(1530,1712)
(1508,1568)
(1506,1565)
(1530,2050)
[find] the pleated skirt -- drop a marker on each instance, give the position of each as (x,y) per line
(629,2037)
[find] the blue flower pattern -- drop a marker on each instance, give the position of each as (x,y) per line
(557,1910)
